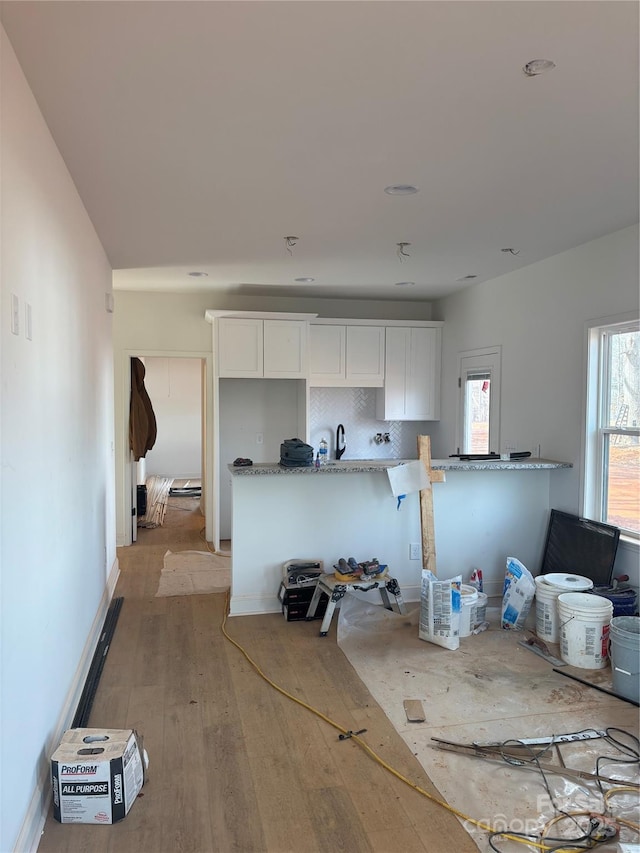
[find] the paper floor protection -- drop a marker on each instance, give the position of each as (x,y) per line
(194,573)
(491,690)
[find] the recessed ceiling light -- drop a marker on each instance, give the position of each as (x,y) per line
(401,189)
(198,274)
(405,283)
(538,66)
(305,279)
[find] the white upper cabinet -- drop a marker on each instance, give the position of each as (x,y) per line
(239,347)
(412,375)
(285,349)
(255,348)
(346,356)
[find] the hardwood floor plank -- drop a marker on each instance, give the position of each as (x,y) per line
(185,823)
(337,824)
(231,792)
(284,810)
(399,838)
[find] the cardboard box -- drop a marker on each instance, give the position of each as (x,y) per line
(96,774)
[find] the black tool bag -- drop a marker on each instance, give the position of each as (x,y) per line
(294,453)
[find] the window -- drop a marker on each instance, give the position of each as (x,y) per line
(612,458)
(479,383)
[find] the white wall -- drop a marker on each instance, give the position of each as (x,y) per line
(538,315)
(477,517)
(174,386)
(57,528)
(248,407)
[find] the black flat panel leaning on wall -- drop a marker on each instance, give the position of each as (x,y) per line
(580,546)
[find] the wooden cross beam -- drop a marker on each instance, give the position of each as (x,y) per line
(426,505)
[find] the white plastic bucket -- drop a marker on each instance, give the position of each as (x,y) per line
(468,604)
(624,649)
(548,588)
(481,608)
(584,629)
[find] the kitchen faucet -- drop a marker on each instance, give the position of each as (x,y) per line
(341,445)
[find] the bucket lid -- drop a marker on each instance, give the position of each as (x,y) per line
(566,581)
(584,601)
(468,591)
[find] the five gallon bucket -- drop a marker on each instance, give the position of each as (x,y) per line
(584,629)
(481,608)
(625,656)
(548,588)
(624,599)
(468,606)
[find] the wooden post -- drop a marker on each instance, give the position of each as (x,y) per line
(426,505)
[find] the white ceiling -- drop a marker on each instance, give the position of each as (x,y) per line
(201,134)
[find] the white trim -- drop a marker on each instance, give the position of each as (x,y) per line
(591,488)
(31,830)
(211,314)
(626,543)
(254,605)
(336,321)
(124,539)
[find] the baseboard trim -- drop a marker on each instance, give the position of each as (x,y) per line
(33,823)
(254,605)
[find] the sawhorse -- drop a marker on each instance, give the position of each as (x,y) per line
(336,590)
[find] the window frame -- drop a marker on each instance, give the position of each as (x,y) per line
(596,416)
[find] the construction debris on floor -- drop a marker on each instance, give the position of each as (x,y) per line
(185,491)
(156,502)
(492,691)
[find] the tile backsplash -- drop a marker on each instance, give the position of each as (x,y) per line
(355,409)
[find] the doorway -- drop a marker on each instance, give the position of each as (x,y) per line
(174,386)
(177,387)
(478,427)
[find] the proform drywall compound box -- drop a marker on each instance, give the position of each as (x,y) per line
(96,774)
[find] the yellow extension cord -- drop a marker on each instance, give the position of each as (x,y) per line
(363,745)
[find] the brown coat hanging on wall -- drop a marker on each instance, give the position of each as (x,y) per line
(142,420)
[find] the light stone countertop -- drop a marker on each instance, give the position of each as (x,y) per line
(366,466)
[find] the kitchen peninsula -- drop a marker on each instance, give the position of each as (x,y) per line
(483,513)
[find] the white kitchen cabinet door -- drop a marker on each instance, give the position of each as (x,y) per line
(240,347)
(365,356)
(346,356)
(250,348)
(285,349)
(411,389)
(327,355)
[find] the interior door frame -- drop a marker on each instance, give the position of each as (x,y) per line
(206,402)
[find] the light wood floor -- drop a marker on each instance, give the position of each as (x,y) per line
(234,765)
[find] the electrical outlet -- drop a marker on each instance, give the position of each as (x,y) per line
(414,551)
(259,438)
